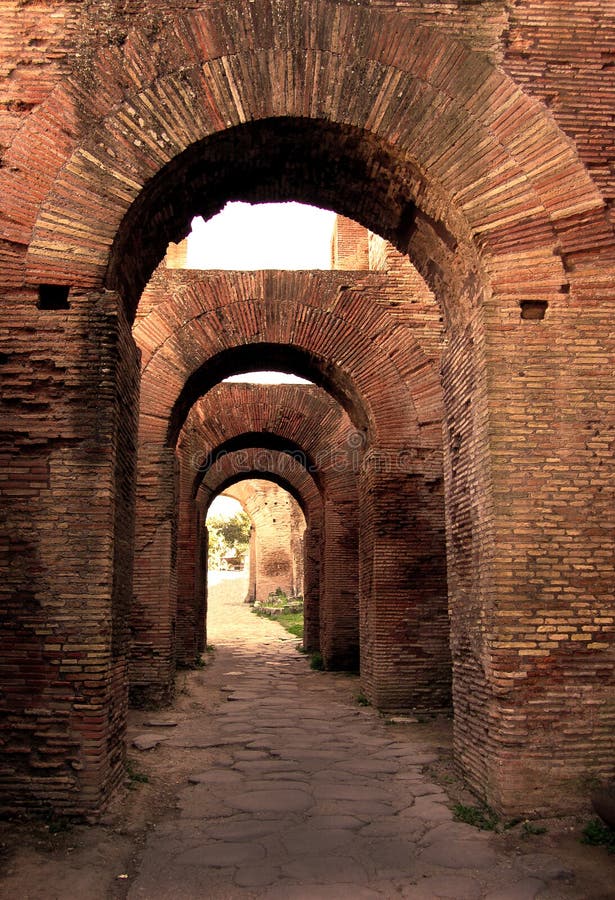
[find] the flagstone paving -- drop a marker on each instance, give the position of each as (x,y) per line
(313,797)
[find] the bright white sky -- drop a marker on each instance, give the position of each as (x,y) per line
(224,506)
(263,236)
(268,378)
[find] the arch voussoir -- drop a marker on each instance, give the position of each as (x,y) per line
(392,89)
(233,468)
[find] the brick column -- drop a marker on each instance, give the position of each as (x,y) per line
(311,596)
(201,578)
(70,392)
(251,598)
(405,657)
(189,558)
(339,607)
(545,632)
(298,526)
(152,665)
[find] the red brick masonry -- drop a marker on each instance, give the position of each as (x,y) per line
(477,139)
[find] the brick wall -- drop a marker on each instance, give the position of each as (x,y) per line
(474,136)
(349,245)
(67,480)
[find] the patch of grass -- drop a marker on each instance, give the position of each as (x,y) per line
(199,662)
(278,600)
(598,834)
(529,828)
(479,816)
(292,622)
(134,776)
(317,662)
(362,700)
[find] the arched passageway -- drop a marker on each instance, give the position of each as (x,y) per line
(186,318)
(275,560)
(286,471)
(427,142)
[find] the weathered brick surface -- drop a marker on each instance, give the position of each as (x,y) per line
(365,321)
(276,552)
(67,481)
(154,605)
(475,136)
(349,245)
(405,661)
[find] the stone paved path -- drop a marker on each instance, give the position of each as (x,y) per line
(309,796)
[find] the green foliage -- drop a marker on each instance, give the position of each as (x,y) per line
(362,700)
(292,622)
(200,662)
(598,834)
(483,817)
(227,535)
(479,816)
(235,531)
(278,599)
(133,776)
(317,662)
(529,828)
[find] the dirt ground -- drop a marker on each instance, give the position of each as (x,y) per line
(57,859)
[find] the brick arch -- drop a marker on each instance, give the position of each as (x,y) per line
(311,420)
(265,441)
(383,370)
(265,417)
(285,357)
(288,473)
(239,466)
(351,66)
(280,420)
(338,331)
